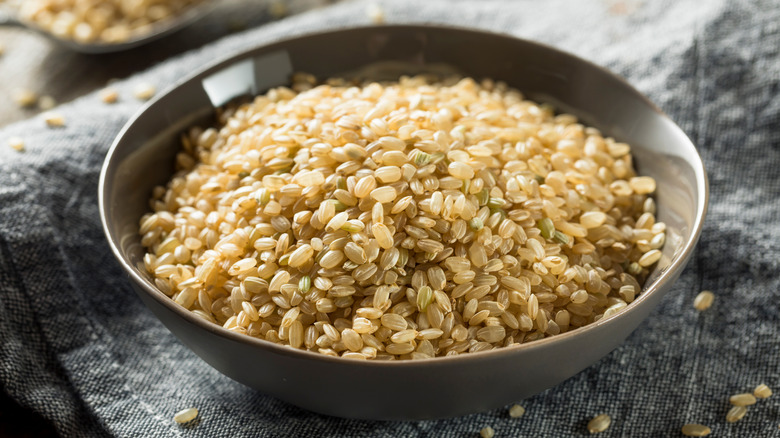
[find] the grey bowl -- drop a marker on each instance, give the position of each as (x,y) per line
(142,157)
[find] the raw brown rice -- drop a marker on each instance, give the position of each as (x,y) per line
(487,432)
(185,415)
(736,413)
(516,411)
(144,91)
(375,13)
(703,300)
(402,220)
(111,21)
(762,391)
(694,429)
(16,143)
(54,120)
(109,95)
(744,399)
(599,423)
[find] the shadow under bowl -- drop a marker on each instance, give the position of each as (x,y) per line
(142,157)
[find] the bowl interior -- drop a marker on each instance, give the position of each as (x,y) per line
(543,74)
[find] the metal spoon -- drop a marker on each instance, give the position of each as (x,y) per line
(157,30)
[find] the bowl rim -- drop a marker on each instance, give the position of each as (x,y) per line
(677,263)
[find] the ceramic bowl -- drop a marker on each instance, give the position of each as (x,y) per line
(142,157)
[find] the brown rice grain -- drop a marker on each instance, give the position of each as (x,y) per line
(599,423)
(703,300)
(144,91)
(487,432)
(109,95)
(743,399)
(375,13)
(642,185)
(693,429)
(399,349)
(649,258)
(516,411)
(16,143)
(185,415)
(54,120)
(736,413)
(762,391)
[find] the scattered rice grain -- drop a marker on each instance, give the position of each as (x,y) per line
(487,432)
(144,91)
(54,120)
(109,95)
(375,13)
(743,399)
(703,300)
(599,423)
(16,143)
(762,391)
(736,413)
(694,429)
(516,411)
(185,415)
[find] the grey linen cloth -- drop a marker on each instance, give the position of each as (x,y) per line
(79,348)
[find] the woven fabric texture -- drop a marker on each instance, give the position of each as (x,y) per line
(80,348)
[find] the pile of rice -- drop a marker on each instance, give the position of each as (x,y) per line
(100,21)
(403,220)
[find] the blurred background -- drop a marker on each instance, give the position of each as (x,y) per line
(37,72)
